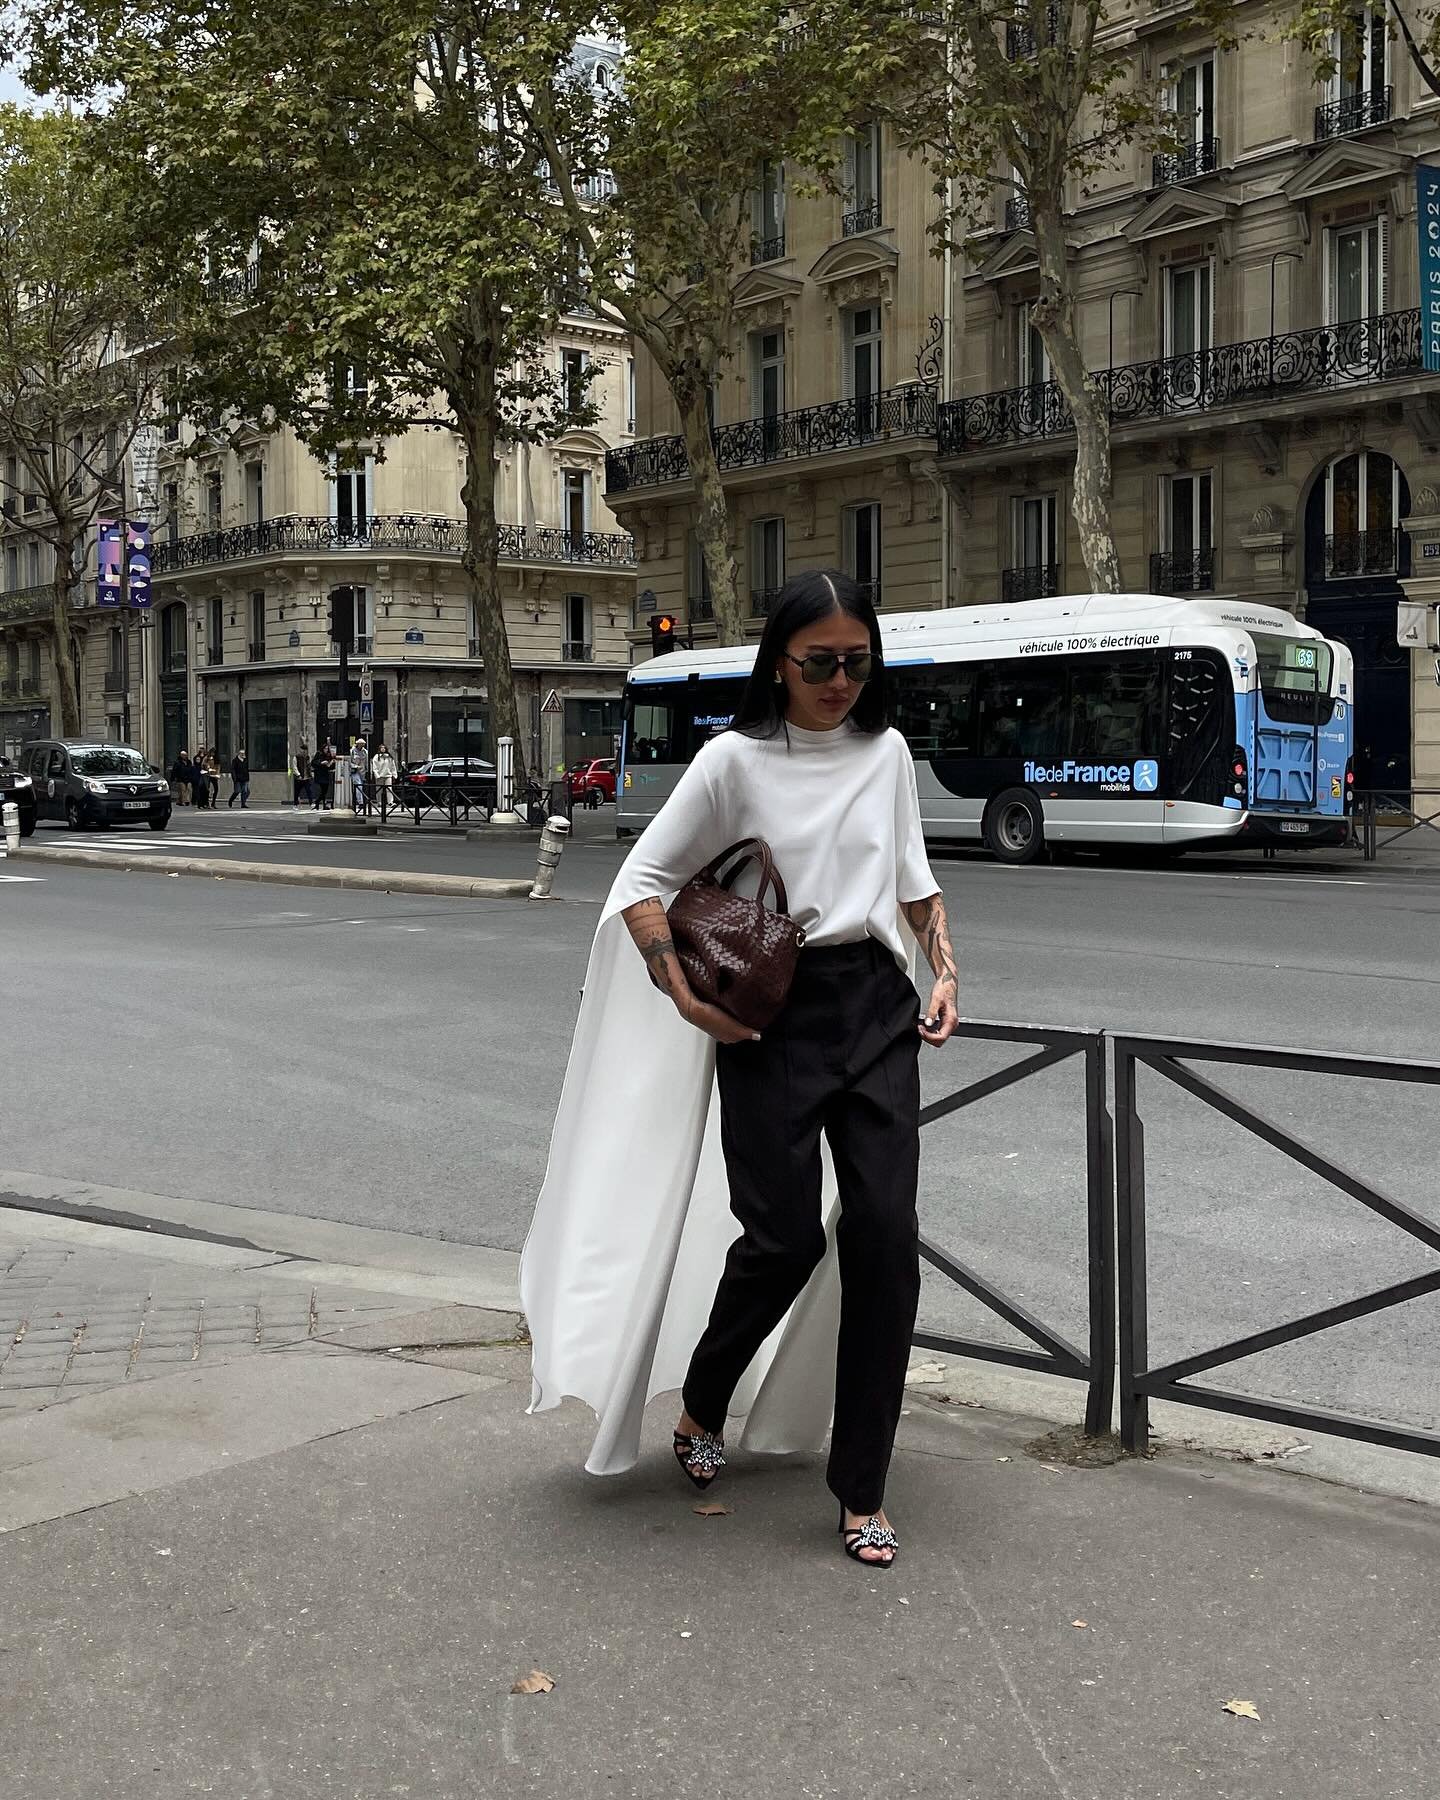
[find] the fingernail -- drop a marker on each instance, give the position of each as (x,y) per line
(754,1037)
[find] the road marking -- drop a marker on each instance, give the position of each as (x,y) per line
(22,877)
(409,927)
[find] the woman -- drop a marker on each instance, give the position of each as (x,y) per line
(810,767)
(199,782)
(383,770)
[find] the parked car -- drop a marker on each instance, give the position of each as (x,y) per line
(86,783)
(434,780)
(592,782)
(16,785)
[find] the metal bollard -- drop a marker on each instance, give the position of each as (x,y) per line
(10,812)
(553,836)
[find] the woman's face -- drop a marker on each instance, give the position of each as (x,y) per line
(823,706)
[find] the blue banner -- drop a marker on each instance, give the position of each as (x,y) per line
(138,535)
(107,570)
(1427,214)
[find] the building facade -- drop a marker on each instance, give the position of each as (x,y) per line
(252,534)
(1250,305)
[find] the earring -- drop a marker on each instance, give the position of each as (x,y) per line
(779,679)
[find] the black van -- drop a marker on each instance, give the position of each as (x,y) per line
(86,783)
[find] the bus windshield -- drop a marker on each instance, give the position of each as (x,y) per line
(1294,676)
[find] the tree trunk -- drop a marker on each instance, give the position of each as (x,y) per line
(712,512)
(60,645)
(1091,487)
(481,563)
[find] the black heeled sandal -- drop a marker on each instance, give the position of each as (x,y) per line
(869,1536)
(703,1447)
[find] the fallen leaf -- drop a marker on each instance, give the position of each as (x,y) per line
(712,1509)
(1242,1709)
(536,1682)
(1080,1624)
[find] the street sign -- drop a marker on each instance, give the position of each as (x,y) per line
(367,688)
(294,640)
(334,709)
(367,712)
(414,637)
(552,703)
(1427,218)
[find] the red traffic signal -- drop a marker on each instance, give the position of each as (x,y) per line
(662,634)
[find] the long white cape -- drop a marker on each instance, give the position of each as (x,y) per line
(633,1221)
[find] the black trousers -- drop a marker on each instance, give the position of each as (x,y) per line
(842,1058)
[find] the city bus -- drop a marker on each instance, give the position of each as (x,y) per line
(1106,719)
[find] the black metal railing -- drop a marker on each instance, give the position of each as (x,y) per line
(701,609)
(215,656)
(474,651)
(767,249)
(1395,812)
(1182,571)
(1383,348)
(1093,1364)
(861,218)
(21,604)
(762,600)
(1139,1382)
(1017,212)
(114,682)
(257,651)
(574,651)
(1353,555)
(1172,166)
(1030,581)
(1020,39)
(1355,112)
(807,431)
(398,531)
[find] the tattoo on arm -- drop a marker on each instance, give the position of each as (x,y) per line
(650,929)
(926,918)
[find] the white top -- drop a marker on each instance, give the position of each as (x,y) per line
(838,809)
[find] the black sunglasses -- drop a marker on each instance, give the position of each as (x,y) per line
(821,666)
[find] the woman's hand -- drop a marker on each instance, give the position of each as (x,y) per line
(714,1021)
(650,929)
(942,1015)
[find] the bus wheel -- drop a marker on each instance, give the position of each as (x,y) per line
(1015,827)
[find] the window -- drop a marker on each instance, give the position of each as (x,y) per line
(574,365)
(350,499)
(1186,563)
(172,512)
(768,214)
(862,364)
(214,502)
(257,626)
(767,374)
(861,549)
(1357,94)
(12,660)
(12,483)
(1017,206)
(934,709)
(1356,257)
(12,568)
(31,502)
(173,643)
(1362,509)
(255,492)
(575,500)
(35,661)
(1115,707)
(459,726)
(1032,359)
(215,630)
(650,734)
(1035,572)
(117,650)
(32,561)
(1021,711)
(171,429)
(767,563)
(1188,310)
(579,640)
(224,731)
(266,735)
(702,606)
(351,379)
(862,179)
(630,413)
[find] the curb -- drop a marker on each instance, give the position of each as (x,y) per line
(385,881)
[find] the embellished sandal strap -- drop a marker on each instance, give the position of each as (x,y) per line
(703,1456)
(872,1535)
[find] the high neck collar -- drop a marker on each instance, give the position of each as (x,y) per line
(804,739)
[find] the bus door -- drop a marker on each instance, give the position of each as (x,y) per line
(1291,706)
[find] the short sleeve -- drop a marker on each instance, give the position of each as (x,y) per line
(914,879)
(689,831)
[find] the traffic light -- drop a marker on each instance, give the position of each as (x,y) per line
(342,616)
(662,634)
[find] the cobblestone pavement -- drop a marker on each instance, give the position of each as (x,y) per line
(74,1320)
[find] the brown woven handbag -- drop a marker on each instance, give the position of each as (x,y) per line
(736,953)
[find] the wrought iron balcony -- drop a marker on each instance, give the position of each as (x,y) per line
(807,431)
(114,682)
(1359,555)
(36,602)
(577,652)
(701,609)
(862,218)
(215,656)
(1030,581)
(762,600)
(1200,158)
(475,652)
(1020,39)
(427,533)
(29,687)
(1182,572)
(1321,358)
(1355,112)
(364,645)
(1017,212)
(767,249)
(257,651)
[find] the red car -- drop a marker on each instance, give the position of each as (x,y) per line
(592,783)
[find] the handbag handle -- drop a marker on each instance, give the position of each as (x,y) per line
(750,850)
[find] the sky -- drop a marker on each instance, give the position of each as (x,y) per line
(11,87)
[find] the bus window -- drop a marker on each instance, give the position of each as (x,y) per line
(1022,711)
(651,733)
(1115,708)
(1202,726)
(1294,677)
(934,708)
(710,707)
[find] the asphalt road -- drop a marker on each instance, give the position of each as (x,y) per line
(396,1062)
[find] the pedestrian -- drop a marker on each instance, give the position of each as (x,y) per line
(358,770)
(181,775)
(324,772)
(300,770)
(618,1275)
(383,770)
(199,784)
(211,771)
(240,779)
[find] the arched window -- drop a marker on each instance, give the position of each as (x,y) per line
(1363,507)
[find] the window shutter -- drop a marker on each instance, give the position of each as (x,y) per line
(1382,253)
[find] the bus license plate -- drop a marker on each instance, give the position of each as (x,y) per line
(1298,825)
(137,806)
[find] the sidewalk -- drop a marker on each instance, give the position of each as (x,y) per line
(302,1541)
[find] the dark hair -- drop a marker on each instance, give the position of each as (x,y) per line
(806,598)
